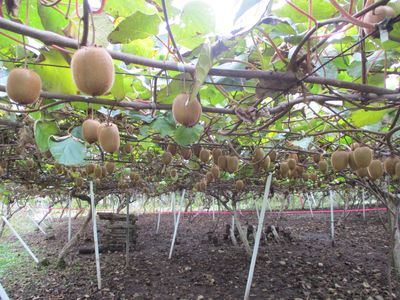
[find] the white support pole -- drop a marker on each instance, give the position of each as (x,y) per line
(3,294)
(213,209)
(332,217)
(258,237)
(159,215)
(176,225)
(36,224)
(20,240)
(363,204)
(69,219)
(173,206)
(309,204)
(313,199)
(95,238)
(128,201)
(257,211)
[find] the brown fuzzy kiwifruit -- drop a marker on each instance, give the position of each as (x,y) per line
(78,181)
(363,172)
(134,176)
(284,169)
(294,156)
(216,153)
(258,155)
(352,161)
(340,160)
(239,184)
(375,169)
(30,163)
(90,130)
(272,155)
(172,148)
(363,157)
(390,164)
(186,112)
(306,176)
(127,148)
(1,171)
(109,137)
(265,163)
(97,181)
(173,173)
(103,171)
(323,166)
(23,86)
(110,167)
(186,153)
(90,168)
(316,157)
(204,155)
(166,158)
(376,16)
(215,172)
(93,70)
(397,169)
(299,169)
(222,162)
(291,163)
(232,164)
(98,172)
(197,149)
(354,146)
(209,177)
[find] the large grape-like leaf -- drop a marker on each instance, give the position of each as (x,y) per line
(362,117)
(187,135)
(67,150)
(52,19)
(42,131)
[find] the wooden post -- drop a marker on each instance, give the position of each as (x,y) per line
(3,294)
(20,239)
(69,218)
(258,237)
(95,238)
(332,218)
(176,225)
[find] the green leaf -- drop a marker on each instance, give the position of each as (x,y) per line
(136,26)
(52,19)
(203,66)
(67,150)
(187,135)
(362,117)
(164,126)
(43,130)
(77,132)
(118,8)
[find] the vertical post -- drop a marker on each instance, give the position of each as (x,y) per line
(69,218)
(173,206)
(159,215)
(20,240)
(313,199)
(127,231)
(213,209)
(308,199)
(363,203)
(176,225)
(332,217)
(258,237)
(95,238)
(3,294)
(257,211)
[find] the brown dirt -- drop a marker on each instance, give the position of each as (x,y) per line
(308,267)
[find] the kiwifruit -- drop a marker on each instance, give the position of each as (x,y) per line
(299,169)
(209,177)
(103,171)
(97,181)
(352,161)
(354,146)
(90,130)
(127,148)
(215,171)
(375,169)
(23,86)
(239,184)
(202,186)
(265,163)
(78,181)
(186,152)
(166,158)
(197,149)
(258,155)
(83,172)
(306,176)
(204,155)
(272,155)
(134,176)
(397,169)
(186,112)
(232,164)
(172,148)
(376,16)
(284,169)
(323,166)
(362,172)
(216,153)
(110,167)
(1,171)
(316,157)
(390,164)
(93,70)
(340,160)
(108,134)
(222,162)
(294,156)
(98,171)
(172,173)
(363,157)
(291,163)
(90,168)
(313,176)
(30,163)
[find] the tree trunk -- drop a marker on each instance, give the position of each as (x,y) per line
(242,236)
(74,241)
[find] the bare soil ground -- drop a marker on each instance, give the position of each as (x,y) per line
(307,267)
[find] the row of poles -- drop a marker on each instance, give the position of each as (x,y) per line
(176,220)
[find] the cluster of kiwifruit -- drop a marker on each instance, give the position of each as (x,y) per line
(106,133)
(321,162)
(290,167)
(262,161)
(186,112)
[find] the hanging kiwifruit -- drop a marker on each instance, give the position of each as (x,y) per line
(265,163)
(362,172)
(354,146)
(316,157)
(97,181)
(216,153)
(166,158)
(363,157)
(390,164)
(197,149)
(376,16)
(186,153)
(340,160)
(258,155)
(204,155)
(239,184)
(215,172)
(232,164)
(127,148)
(323,166)
(93,70)
(172,148)
(294,156)
(110,167)
(222,162)
(173,173)
(375,169)
(98,172)
(23,86)
(291,163)
(78,181)
(109,137)
(104,171)
(299,169)
(90,130)
(272,155)
(134,176)
(186,112)
(397,169)
(90,168)
(352,161)
(284,169)
(209,177)
(306,176)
